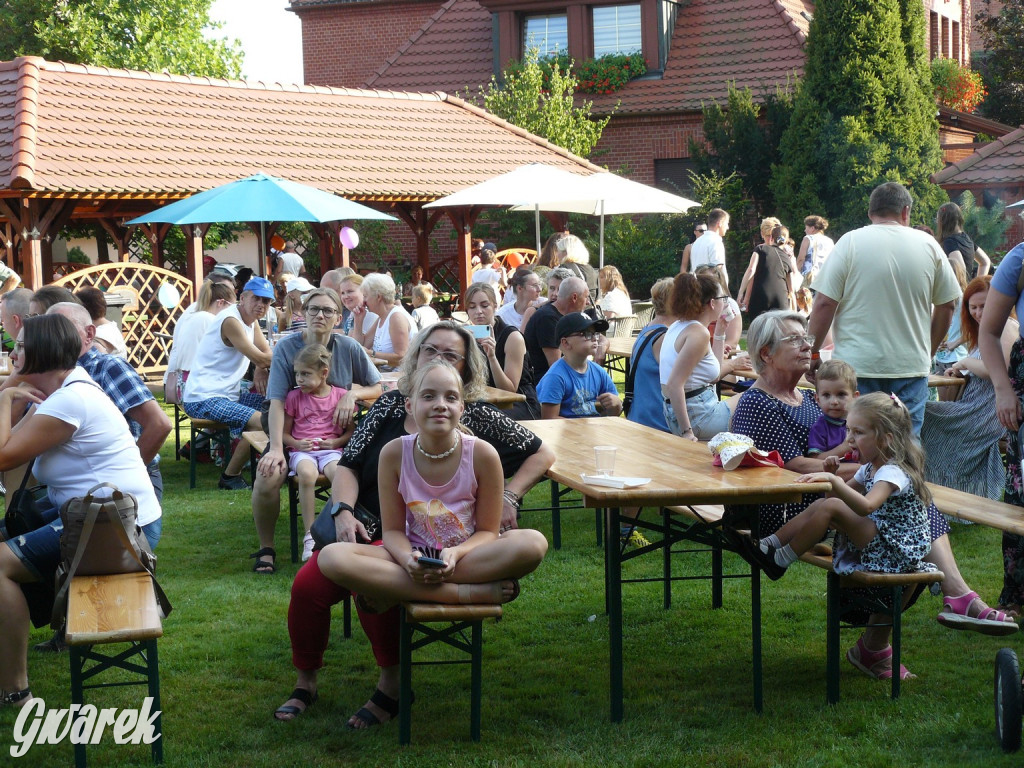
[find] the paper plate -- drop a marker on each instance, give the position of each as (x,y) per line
(168,296)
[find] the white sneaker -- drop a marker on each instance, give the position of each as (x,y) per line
(307,546)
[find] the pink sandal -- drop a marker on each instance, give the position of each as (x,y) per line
(989,621)
(876,664)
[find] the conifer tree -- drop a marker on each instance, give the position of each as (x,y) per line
(864,114)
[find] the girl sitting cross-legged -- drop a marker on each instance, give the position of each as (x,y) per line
(441,498)
(880,514)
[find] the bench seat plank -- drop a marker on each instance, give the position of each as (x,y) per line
(112,609)
(426,612)
(975,509)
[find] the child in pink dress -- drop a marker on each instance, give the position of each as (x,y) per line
(310,430)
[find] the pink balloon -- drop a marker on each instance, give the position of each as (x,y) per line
(349,238)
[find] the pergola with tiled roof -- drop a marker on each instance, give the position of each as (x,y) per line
(91,144)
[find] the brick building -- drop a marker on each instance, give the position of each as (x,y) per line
(693,50)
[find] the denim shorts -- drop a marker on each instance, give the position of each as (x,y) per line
(708,415)
(39,550)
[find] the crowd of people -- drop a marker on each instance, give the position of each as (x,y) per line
(426,485)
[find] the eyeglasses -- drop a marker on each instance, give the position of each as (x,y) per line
(797,340)
(29,315)
(325,311)
(588,335)
(19,345)
(448,356)
(722,298)
(702,230)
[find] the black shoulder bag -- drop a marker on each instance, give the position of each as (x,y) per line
(634,361)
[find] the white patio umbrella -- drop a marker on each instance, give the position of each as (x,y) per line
(524,188)
(609,194)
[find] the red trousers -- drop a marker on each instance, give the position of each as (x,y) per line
(309,620)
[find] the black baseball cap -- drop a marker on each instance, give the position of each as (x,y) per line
(577,322)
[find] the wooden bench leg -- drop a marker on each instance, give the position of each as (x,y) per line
(832,650)
(293,517)
(476,680)
(452,634)
(897,637)
(405,680)
(79,655)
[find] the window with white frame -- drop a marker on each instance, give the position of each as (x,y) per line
(548,34)
(616,29)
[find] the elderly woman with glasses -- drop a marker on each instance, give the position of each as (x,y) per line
(778,416)
(524,461)
(350,368)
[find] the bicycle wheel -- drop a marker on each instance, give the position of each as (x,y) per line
(1008,696)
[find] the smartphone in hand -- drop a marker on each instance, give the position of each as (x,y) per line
(431,562)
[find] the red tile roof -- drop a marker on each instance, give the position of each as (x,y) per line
(756,43)
(430,56)
(93,131)
(1000,162)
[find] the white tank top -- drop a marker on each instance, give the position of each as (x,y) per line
(707,370)
(382,338)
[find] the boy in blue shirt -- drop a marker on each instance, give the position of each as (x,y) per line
(575,387)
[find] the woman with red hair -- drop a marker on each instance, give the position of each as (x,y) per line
(961,437)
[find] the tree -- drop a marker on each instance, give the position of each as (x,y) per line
(1002,64)
(864,114)
(744,139)
(544,105)
(132,34)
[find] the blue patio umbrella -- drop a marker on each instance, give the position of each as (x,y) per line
(261,198)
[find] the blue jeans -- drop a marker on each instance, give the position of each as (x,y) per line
(912,391)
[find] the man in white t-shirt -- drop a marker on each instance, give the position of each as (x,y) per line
(877,291)
(709,248)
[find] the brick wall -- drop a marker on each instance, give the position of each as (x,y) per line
(330,35)
(634,143)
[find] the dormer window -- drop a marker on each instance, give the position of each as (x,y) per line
(548,34)
(617,30)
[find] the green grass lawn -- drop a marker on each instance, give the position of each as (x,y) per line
(225,665)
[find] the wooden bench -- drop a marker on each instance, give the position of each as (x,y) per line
(976,509)
(118,608)
(219,433)
(459,619)
(845,593)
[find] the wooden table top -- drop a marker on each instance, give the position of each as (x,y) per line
(680,470)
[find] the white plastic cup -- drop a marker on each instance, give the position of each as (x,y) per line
(604,459)
(5,362)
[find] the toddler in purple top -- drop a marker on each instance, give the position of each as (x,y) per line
(836,384)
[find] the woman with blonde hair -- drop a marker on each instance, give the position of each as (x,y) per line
(614,296)
(572,254)
(770,277)
(350,290)
(388,338)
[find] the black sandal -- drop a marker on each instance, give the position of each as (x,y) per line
(308,700)
(387,705)
(12,698)
(261,566)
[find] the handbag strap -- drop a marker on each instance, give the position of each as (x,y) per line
(27,475)
(652,337)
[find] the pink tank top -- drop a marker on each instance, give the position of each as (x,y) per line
(438,516)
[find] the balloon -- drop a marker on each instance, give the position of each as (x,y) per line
(168,296)
(277,243)
(349,238)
